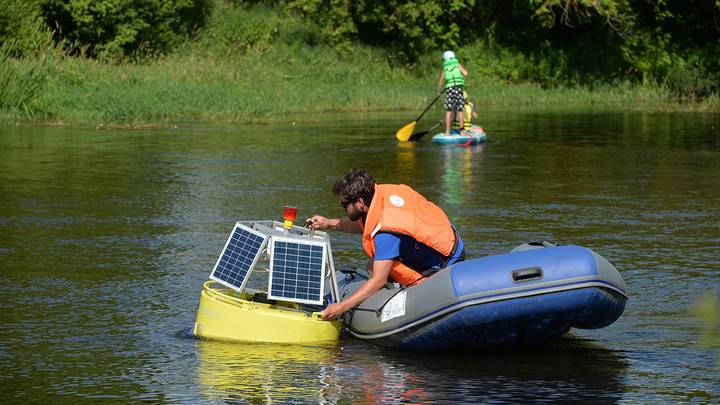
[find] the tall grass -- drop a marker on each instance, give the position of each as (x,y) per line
(20,83)
(196,86)
(257,64)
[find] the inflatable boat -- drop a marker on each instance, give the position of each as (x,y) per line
(522,298)
(473,137)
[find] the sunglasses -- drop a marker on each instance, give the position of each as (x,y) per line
(345,203)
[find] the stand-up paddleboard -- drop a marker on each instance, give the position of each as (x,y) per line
(473,137)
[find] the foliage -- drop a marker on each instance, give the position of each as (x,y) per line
(22,30)
(233,30)
(551,42)
(23,34)
(691,77)
(116,28)
(670,43)
(666,42)
(20,82)
(411,28)
(674,43)
(617,13)
(259,60)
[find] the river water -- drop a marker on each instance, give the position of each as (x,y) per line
(106,237)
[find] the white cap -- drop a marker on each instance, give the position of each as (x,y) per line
(448,55)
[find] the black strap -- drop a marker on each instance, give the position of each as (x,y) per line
(447,258)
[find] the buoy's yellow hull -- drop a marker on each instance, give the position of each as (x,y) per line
(226,315)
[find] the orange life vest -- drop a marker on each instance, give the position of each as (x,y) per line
(398,208)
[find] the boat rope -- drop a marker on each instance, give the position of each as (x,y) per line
(378,310)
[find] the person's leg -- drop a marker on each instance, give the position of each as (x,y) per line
(448,121)
(448,112)
(461,110)
(455,100)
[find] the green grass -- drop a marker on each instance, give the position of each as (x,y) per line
(260,70)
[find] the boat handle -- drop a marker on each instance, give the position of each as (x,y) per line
(527,274)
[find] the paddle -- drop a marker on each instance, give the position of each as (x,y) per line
(404,133)
(417,135)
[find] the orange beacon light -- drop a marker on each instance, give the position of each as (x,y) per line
(289,216)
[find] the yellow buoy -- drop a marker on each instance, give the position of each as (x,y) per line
(228,315)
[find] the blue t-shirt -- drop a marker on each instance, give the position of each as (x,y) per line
(414,254)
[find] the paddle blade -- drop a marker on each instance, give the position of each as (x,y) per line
(404,133)
(418,135)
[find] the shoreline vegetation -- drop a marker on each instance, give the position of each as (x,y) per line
(259,64)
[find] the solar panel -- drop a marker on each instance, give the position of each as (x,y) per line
(239,256)
(296,271)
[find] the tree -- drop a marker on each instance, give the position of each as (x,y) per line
(115,28)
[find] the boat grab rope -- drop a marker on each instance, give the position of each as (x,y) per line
(387,285)
(378,311)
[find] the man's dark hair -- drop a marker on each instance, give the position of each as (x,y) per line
(357,183)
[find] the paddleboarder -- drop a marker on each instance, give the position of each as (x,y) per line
(452,78)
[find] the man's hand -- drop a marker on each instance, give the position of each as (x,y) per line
(380,271)
(334,311)
(317,222)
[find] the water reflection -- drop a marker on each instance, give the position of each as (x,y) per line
(457,173)
(361,373)
(266,373)
(573,369)
(455,168)
(406,157)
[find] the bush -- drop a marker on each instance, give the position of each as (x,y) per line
(409,28)
(691,78)
(117,28)
(22,30)
(239,29)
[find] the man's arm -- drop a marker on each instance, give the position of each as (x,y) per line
(343,224)
(380,273)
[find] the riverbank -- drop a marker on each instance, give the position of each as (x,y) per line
(247,89)
(266,72)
